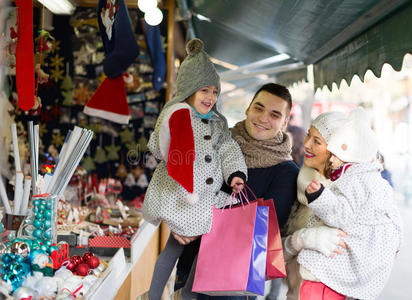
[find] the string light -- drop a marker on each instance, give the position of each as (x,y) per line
(153,17)
(146,5)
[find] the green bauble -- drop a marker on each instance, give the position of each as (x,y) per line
(38,224)
(37,233)
(47,235)
(47,214)
(47,224)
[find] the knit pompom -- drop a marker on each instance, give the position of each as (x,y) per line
(358,115)
(194,46)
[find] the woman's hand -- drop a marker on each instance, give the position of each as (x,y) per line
(237,184)
(313,187)
(184,240)
(324,239)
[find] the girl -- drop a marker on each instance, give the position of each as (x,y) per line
(194,143)
(360,202)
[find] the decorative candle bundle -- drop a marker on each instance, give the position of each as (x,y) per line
(70,155)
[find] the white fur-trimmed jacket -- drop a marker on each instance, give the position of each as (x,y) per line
(360,203)
(217,157)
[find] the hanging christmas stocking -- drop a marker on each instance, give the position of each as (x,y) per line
(154,44)
(25,55)
(119,40)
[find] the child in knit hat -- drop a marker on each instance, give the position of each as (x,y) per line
(197,153)
(360,202)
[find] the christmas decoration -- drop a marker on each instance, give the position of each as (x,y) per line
(88,164)
(126,136)
(119,40)
(112,152)
(25,55)
(82,94)
(57,139)
(101,104)
(100,155)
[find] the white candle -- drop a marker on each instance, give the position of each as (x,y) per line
(4,198)
(15,147)
(18,192)
(26,196)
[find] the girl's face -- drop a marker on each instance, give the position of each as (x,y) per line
(316,154)
(204,99)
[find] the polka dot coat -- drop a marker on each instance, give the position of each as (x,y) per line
(361,203)
(217,156)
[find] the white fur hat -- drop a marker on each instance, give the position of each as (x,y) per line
(327,123)
(354,141)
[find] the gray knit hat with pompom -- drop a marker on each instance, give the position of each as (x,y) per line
(195,72)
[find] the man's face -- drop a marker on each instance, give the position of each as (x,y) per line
(266,116)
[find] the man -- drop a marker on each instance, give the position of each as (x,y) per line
(267,150)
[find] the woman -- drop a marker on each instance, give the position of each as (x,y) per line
(304,229)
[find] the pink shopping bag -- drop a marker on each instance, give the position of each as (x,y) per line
(232,256)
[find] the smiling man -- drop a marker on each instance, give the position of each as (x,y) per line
(267,150)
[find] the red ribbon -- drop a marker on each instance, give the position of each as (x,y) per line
(75,291)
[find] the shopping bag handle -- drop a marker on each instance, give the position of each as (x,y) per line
(250,190)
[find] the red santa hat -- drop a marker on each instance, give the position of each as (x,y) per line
(177,146)
(109,101)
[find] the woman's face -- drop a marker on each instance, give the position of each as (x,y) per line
(316,154)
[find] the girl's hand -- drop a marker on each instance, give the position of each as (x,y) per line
(237,184)
(313,187)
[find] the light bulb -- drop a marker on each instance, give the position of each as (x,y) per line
(153,17)
(146,5)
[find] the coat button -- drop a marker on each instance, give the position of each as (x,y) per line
(205,121)
(209,180)
(207,137)
(208,158)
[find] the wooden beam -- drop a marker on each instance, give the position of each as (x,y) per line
(93,3)
(170,58)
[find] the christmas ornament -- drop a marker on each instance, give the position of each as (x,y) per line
(42,129)
(57,139)
(57,61)
(93,262)
(56,74)
(82,94)
(126,136)
(20,248)
(88,163)
(100,156)
(76,259)
(87,255)
(142,144)
(82,269)
(112,152)
(55,46)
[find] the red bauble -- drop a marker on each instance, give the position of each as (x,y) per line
(71,266)
(93,262)
(82,269)
(86,256)
(76,259)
